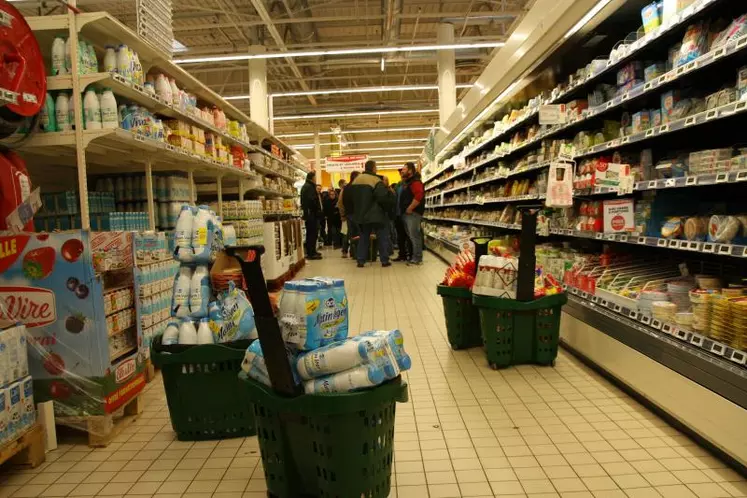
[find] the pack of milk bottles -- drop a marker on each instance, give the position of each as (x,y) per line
(197,316)
(313,320)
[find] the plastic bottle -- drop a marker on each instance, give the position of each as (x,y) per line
(175,98)
(109,117)
(354,379)
(187,332)
(68,58)
(84,63)
(123,62)
(200,238)
(337,357)
(47,115)
(92,59)
(59,65)
(215,314)
(110,59)
(204,335)
(183,231)
(137,75)
(199,292)
(92,110)
(287,311)
(62,112)
(171,334)
(163,88)
(181,291)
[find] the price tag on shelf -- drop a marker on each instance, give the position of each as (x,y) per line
(656,323)
(691,181)
(645,319)
(718,348)
(667,329)
(696,339)
(738,357)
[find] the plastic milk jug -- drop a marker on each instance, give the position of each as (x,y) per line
(200,234)
(62,112)
(110,59)
(59,66)
(360,377)
(181,292)
(204,335)
(335,357)
(199,293)
(109,117)
(92,110)
(187,332)
(184,224)
(171,334)
(215,315)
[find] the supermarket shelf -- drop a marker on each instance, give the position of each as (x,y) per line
(528,117)
(116,148)
(663,184)
(517,172)
(442,248)
(124,352)
(713,365)
(676,75)
(680,20)
(482,202)
(733,250)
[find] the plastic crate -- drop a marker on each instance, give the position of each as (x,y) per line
(327,445)
(205,397)
(462,317)
(516,332)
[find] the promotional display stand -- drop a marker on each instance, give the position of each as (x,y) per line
(322,444)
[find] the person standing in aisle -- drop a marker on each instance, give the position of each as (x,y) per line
(346,213)
(371,201)
(403,241)
(322,222)
(312,214)
(412,206)
(334,222)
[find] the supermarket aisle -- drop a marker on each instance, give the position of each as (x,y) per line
(468,431)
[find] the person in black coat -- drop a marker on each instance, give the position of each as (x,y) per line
(312,215)
(334,221)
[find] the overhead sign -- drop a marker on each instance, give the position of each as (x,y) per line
(345,164)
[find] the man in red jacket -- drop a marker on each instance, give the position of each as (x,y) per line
(412,206)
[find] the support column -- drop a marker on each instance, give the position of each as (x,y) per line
(317,157)
(191,180)
(271,114)
(258,111)
(446,74)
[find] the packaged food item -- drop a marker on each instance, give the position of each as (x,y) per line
(696,228)
(736,29)
(651,17)
(672,228)
(668,101)
(694,43)
(654,71)
(723,229)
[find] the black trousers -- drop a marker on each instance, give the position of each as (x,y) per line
(403,241)
(312,232)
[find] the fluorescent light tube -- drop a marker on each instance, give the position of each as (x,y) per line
(340,91)
(352,131)
(353,114)
(588,17)
(346,51)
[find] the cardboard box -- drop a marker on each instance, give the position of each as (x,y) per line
(619,216)
(608,174)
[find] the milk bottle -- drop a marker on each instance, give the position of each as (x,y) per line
(360,377)
(123,62)
(187,332)
(59,66)
(204,335)
(254,364)
(92,110)
(396,342)
(110,59)
(201,240)
(184,224)
(336,357)
(62,112)
(199,293)
(181,292)
(109,116)
(171,334)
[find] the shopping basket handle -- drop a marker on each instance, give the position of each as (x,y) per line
(268,328)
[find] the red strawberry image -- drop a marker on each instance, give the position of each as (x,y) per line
(59,390)
(54,364)
(39,263)
(72,249)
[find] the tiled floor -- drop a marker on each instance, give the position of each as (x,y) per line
(467,430)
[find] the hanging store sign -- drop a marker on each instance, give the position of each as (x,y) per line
(345,164)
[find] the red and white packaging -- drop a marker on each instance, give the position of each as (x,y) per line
(618,216)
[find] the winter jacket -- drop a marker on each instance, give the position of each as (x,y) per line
(412,189)
(310,202)
(370,200)
(330,210)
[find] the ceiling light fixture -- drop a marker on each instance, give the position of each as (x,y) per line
(363,142)
(353,114)
(345,51)
(354,131)
(385,156)
(588,17)
(340,91)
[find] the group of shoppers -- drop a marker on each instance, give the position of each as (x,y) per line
(368,206)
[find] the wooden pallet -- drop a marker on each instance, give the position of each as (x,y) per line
(27,450)
(102,429)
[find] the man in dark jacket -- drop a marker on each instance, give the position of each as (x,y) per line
(403,241)
(412,205)
(346,213)
(370,201)
(334,222)
(312,215)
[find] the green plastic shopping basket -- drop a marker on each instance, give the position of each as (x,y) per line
(327,445)
(205,398)
(516,332)
(462,317)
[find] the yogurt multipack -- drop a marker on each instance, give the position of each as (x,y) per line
(314,313)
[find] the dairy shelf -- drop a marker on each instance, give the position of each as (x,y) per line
(733,250)
(679,21)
